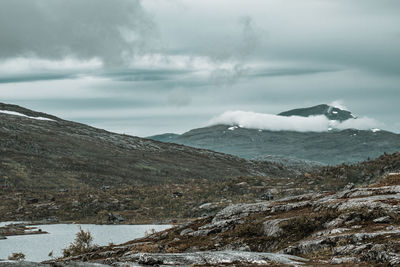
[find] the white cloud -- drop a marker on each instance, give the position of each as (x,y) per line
(363,123)
(273,122)
(338,104)
(166,61)
(22,65)
(195,63)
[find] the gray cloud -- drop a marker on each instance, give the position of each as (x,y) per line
(35,77)
(109,30)
(237,54)
(132,75)
(179,97)
(289,71)
(259,56)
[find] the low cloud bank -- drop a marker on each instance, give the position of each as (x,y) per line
(273,122)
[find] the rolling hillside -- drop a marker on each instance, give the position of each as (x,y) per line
(39,151)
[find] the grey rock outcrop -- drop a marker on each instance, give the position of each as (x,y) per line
(354,226)
(212,258)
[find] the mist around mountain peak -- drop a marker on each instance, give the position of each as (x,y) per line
(319,118)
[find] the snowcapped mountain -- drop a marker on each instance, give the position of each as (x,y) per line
(321,133)
(319,118)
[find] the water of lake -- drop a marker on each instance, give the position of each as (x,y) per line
(37,247)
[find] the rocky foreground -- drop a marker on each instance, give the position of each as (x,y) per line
(356,226)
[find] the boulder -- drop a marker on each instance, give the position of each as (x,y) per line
(384,219)
(186,231)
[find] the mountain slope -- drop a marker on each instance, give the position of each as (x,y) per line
(363,173)
(330,147)
(326,147)
(38,150)
(167,137)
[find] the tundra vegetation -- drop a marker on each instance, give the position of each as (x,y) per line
(178,202)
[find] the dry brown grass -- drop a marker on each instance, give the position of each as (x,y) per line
(146,248)
(388,180)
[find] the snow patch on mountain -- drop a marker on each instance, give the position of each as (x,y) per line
(319,123)
(23,115)
(232,128)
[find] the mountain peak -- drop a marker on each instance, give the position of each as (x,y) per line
(331,112)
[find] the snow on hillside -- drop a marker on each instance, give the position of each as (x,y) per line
(23,115)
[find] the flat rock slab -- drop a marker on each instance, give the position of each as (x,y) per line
(7,263)
(212,258)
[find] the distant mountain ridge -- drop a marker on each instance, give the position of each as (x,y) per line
(167,137)
(330,147)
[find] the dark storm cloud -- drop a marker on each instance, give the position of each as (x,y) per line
(106,29)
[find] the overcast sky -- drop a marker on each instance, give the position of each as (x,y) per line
(155,66)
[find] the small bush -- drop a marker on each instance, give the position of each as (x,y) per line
(17,256)
(152,231)
(82,244)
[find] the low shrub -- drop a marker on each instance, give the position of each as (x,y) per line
(82,244)
(17,256)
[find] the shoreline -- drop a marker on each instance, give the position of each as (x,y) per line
(17,229)
(31,228)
